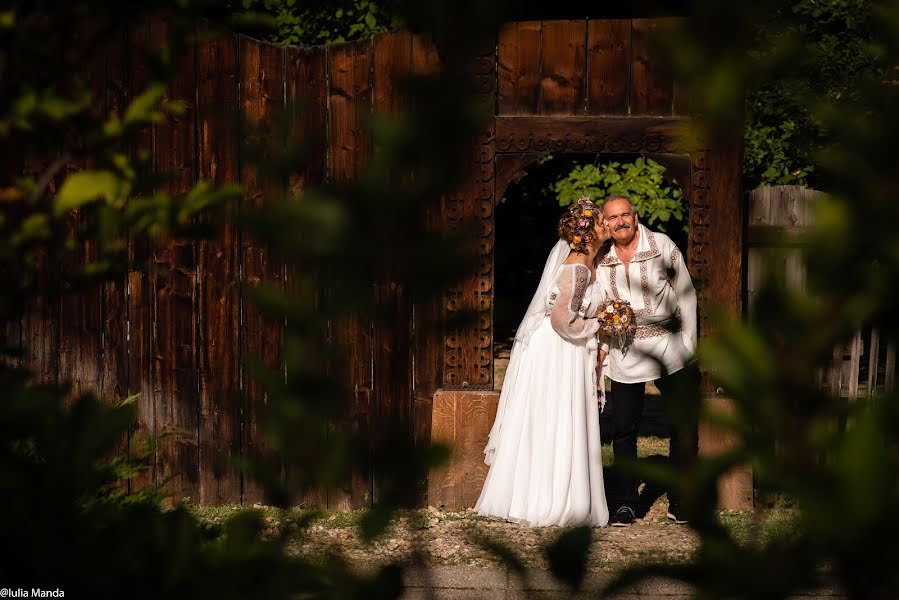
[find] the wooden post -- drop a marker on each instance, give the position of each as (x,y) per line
(719,223)
(873,358)
(889,377)
(462,420)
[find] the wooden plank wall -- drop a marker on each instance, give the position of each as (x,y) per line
(114,302)
(174,296)
(217,268)
(392,406)
(306,72)
(262,91)
(584,67)
(427,334)
(79,309)
(175,335)
(139,290)
(349,102)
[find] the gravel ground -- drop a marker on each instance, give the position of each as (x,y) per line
(462,538)
(458,538)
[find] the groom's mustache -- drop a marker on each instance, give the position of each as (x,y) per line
(623,226)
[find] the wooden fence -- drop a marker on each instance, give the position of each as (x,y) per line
(864,366)
(175,336)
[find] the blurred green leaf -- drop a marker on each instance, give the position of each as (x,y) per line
(374,522)
(145,107)
(567,556)
(84,187)
(34,227)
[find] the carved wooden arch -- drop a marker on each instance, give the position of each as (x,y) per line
(521,140)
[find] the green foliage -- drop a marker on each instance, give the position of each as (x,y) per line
(773,153)
(86,186)
(319,22)
(658,202)
(822,50)
(67,512)
(568,556)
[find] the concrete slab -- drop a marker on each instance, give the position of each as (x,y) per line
(497,583)
(664,587)
(452,594)
(476,578)
(536,580)
(449,594)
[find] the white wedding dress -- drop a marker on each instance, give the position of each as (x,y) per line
(544,448)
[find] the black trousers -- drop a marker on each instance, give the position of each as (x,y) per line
(628,399)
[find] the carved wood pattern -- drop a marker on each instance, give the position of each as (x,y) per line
(698,250)
(462,420)
(591,134)
(468,351)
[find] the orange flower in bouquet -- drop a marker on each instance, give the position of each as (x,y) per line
(617,319)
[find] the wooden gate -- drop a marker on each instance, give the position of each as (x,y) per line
(578,86)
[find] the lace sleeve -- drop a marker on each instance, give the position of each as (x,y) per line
(569,311)
(581,279)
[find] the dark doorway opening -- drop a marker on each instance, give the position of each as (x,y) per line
(526,218)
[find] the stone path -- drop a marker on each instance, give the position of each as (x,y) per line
(496,583)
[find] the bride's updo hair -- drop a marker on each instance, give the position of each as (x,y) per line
(576,224)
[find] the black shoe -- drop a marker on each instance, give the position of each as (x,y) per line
(623,517)
(674,514)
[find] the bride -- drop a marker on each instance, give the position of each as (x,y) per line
(544,449)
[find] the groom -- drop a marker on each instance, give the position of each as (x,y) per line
(647,269)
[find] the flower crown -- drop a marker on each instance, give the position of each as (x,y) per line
(584,229)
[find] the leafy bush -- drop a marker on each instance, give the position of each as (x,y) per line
(775,149)
(659,203)
(311,23)
(831,49)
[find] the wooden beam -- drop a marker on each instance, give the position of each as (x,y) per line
(591,134)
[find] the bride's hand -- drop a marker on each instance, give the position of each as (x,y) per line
(600,390)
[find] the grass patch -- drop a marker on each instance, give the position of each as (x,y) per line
(760,528)
(646,446)
(331,519)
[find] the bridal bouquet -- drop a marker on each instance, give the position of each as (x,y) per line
(617,320)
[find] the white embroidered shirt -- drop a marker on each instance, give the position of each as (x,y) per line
(659,288)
